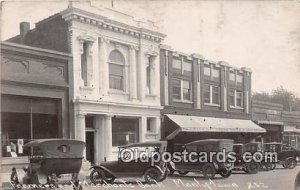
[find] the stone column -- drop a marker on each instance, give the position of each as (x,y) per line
(142,128)
(80,129)
(100,139)
(108,137)
(104,67)
(141,79)
(198,89)
(132,73)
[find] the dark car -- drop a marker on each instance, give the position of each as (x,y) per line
(250,165)
(133,166)
(286,156)
(210,168)
(53,161)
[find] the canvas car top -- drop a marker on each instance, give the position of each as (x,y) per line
(59,148)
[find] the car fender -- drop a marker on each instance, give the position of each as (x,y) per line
(159,169)
(103,168)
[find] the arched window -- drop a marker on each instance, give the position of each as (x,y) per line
(116,70)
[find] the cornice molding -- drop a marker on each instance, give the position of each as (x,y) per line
(111,25)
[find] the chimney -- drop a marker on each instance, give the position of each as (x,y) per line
(24,28)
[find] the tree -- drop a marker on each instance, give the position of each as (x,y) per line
(288,99)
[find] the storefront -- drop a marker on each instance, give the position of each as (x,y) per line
(34,99)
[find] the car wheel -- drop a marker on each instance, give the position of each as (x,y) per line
(164,176)
(209,171)
(252,168)
(152,175)
(183,172)
(290,163)
(225,173)
(268,166)
(97,176)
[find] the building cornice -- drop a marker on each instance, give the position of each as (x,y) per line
(105,23)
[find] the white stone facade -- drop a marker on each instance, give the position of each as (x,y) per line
(94,34)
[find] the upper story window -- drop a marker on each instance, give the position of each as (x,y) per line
(176,65)
(211,73)
(236,98)
(182,90)
(235,78)
(84,63)
(182,67)
(211,94)
(116,70)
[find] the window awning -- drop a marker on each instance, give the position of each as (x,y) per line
(210,124)
(291,129)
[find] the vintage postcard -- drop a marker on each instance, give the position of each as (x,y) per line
(150,94)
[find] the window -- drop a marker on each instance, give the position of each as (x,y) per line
(116,70)
(148,75)
(24,119)
(187,94)
(187,68)
(176,66)
(207,71)
(176,89)
(150,124)
(236,98)
(182,67)
(84,62)
(239,79)
(211,94)
(215,95)
(239,98)
(207,94)
(216,74)
(124,131)
(182,90)
(232,97)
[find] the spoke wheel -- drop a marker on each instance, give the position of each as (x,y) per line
(291,163)
(252,168)
(151,175)
(225,173)
(97,176)
(209,171)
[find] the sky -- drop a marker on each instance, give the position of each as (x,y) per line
(261,35)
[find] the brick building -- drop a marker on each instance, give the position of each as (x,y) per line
(34,98)
(205,99)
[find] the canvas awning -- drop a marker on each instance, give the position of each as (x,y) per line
(211,124)
(291,129)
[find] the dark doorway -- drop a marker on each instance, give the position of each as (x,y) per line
(90,146)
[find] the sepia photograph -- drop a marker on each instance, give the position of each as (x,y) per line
(150,94)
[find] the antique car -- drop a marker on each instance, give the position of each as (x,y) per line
(130,164)
(286,156)
(209,168)
(251,166)
(54,161)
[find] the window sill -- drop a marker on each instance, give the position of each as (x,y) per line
(236,107)
(182,101)
(215,105)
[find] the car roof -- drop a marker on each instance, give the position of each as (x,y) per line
(209,140)
(41,142)
(145,144)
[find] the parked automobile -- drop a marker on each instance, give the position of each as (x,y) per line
(54,161)
(286,156)
(210,168)
(252,166)
(133,166)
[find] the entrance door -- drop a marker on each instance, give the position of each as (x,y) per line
(90,146)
